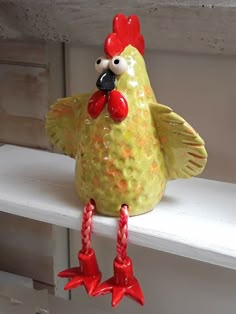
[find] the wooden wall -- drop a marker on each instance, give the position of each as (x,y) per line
(31,78)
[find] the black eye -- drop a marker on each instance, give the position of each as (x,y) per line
(116,61)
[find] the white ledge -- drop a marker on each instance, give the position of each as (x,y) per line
(195,219)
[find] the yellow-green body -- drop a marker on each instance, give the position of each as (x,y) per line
(126,162)
(121,162)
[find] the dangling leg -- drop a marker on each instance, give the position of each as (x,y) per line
(88,274)
(123,282)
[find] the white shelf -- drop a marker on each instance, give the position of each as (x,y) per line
(9,279)
(206,26)
(195,219)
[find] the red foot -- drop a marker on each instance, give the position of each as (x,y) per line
(122,284)
(88,274)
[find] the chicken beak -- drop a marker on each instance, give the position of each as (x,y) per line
(106,81)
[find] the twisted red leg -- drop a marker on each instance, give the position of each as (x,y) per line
(123,282)
(88,273)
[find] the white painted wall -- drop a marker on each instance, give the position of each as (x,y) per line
(202,89)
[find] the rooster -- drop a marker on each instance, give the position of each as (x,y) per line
(126,146)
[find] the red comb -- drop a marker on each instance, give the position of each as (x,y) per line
(126,31)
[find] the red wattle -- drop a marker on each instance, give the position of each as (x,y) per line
(117,106)
(96,103)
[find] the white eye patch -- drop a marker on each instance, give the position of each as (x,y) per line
(118,65)
(102,64)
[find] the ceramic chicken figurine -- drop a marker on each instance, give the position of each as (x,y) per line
(126,146)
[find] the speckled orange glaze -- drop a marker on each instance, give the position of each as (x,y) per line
(126,162)
(121,162)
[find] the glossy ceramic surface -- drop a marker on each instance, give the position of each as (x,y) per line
(126,145)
